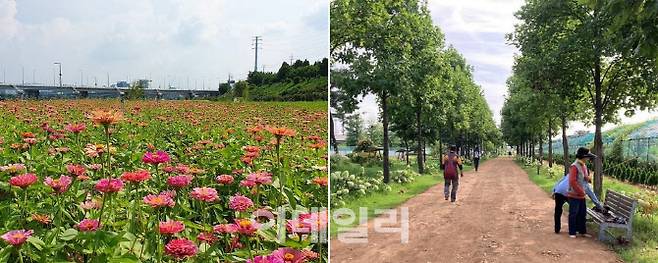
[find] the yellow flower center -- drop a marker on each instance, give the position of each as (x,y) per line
(288,256)
(18,236)
(245,223)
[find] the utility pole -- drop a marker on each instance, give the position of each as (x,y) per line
(257,40)
(60,73)
(34,73)
(108,80)
(291,57)
(23,70)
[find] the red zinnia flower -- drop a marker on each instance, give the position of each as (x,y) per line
(156,158)
(88,225)
(207,237)
(23,181)
(109,185)
(179,181)
(180,248)
(171,227)
(224,179)
(76,170)
(136,176)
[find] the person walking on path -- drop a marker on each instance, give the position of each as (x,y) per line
(476,158)
(578,176)
(560,191)
(449,164)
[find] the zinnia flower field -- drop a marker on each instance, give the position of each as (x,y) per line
(162,181)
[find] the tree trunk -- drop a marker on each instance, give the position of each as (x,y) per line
(406,151)
(384,100)
(333,134)
(598,139)
(541,151)
(550,143)
(565,145)
(419,138)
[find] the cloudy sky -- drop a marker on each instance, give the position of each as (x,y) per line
(167,41)
(477,28)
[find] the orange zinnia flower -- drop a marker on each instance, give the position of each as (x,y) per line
(280,132)
(106,118)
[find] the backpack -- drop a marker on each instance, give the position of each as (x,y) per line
(450,166)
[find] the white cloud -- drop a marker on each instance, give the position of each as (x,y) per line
(166,40)
(8,19)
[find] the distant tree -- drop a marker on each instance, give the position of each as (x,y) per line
(224,88)
(239,88)
(283,72)
(354,127)
(136,91)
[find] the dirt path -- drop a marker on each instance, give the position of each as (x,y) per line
(499,216)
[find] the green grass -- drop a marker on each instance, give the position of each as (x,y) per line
(644,247)
(399,193)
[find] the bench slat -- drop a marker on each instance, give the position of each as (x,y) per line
(619,210)
(629,201)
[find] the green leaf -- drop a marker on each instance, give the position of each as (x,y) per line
(124,259)
(69,234)
(36,242)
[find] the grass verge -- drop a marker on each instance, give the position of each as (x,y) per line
(644,247)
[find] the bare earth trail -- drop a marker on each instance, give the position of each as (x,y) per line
(499,216)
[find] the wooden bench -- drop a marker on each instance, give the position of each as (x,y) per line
(619,206)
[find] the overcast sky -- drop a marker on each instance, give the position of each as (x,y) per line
(164,40)
(477,28)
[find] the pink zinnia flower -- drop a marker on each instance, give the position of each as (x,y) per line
(75,127)
(247,183)
(179,181)
(246,226)
(289,255)
(17,237)
(315,221)
(59,185)
(155,158)
(225,228)
(207,237)
(23,181)
(109,185)
(240,203)
(205,194)
(180,248)
(224,179)
(88,225)
(76,170)
(136,176)
(161,200)
(171,227)
(266,259)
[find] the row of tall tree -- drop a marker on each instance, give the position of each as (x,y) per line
(580,60)
(425,90)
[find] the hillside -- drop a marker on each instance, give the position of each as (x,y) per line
(633,138)
(306,90)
